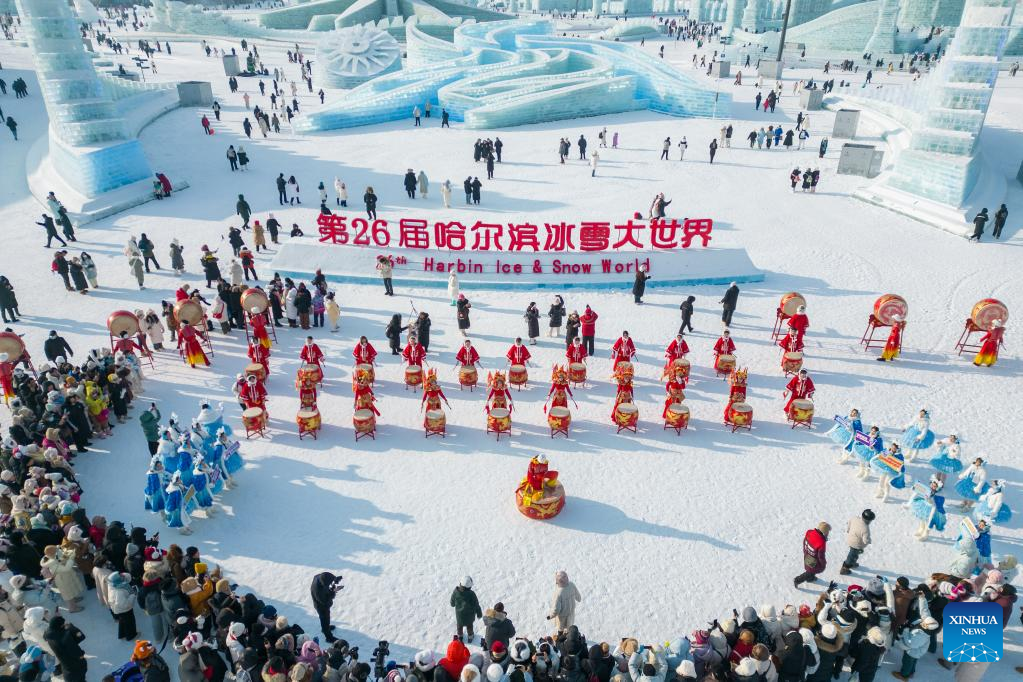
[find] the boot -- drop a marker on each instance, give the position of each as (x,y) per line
(844,570)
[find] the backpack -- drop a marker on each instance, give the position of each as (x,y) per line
(129,672)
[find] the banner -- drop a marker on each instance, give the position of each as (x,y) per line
(587,236)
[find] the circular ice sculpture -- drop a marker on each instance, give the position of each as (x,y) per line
(351,56)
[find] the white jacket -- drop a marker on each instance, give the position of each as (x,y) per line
(11,620)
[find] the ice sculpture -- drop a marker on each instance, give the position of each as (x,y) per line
(940,163)
(89,144)
(357,12)
(509,73)
(882,40)
(351,56)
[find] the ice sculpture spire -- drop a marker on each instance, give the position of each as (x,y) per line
(89,144)
(882,40)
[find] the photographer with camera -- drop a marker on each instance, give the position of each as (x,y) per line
(323,590)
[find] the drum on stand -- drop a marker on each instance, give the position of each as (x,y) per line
(310,373)
(190,312)
(365,423)
(435,423)
(468,376)
(559,419)
(577,373)
(257,369)
(801,412)
(739,416)
(413,377)
(254,421)
(986,311)
(680,366)
(12,344)
(626,417)
(724,363)
(791,362)
(308,421)
(254,298)
(499,421)
(365,372)
(121,321)
(518,376)
(789,304)
(677,417)
(887,306)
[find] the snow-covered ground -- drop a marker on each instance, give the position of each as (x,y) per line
(661,533)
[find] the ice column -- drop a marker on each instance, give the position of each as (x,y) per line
(941,162)
(89,143)
(882,40)
(751,15)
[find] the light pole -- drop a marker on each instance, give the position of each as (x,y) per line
(784,29)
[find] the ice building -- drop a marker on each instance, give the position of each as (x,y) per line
(518,72)
(351,56)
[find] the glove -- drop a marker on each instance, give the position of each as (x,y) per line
(832,585)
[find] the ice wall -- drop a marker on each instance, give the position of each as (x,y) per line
(89,142)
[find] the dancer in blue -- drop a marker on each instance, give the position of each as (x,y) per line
(967,558)
(167,451)
(201,484)
(155,484)
(866,451)
(991,504)
(947,460)
(226,455)
(917,435)
(972,482)
(176,515)
(983,544)
(174,426)
(890,466)
(928,505)
(212,419)
(844,433)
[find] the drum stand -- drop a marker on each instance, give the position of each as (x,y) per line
(626,427)
(808,423)
(371,433)
(436,432)
(518,387)
(204,335)
(963,344)
(499,432)
(270,326)
(472,386)
(259,430)
(867,340)
(735,427)
(676,429)
(563,432)
(779,317)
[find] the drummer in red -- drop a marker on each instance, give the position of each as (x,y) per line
(311,354)
(989,345)
(127,345)
(800,387)
(364,353)
(261,354)
(623,350)
(364,397)
(577,351)
(893,346)
(253,393)
(724,346)
(414,354)
(678,348)
(258,322)
(6,377)
(188,342)
(518,354)
(799,322)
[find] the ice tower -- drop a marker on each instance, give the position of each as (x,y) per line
(941,162)
(89,144)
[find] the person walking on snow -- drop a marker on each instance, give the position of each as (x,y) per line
(815,544)
(594,160)
(566,595)
(728,303)
(857,536)
(682,147)
(467,609)
(665,148)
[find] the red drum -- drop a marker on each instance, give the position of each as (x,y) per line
(577,373)
(559,419)
(791,362)
(121,321)
(724,363)
(11,344)
(365,423)
(435,423)
(626,416)
(680,366)
(543,505)
(987,311)
(254,420)
(254,298)
(517,375)
(365,372)
(739,416)
(498,421)
(413,375)
(790,303)
(677,417)
(257,369)
(310,373)
(308,422)
(801,411)
(889,305)
(188,311)
(467,375)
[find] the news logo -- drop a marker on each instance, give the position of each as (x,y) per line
(972,632)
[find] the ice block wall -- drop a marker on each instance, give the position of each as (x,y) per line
(941,161)
(89,143)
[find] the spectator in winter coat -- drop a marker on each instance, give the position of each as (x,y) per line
(751,621)
(648,665)
(728,303)
(56,347)
(913,643)
(588,329)
(705,657)
(830,646)
(793,659)
(814,553)
(499,627)
(602,664)
(457,657)
(467,608)
(64,640)
(687,314)
(565,597)
(857,536)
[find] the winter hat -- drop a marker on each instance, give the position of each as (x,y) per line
(749,614)
(143,650)
(426,660)
(846,617)
(497,648)
(875,636)
(700,636)
(824,527)
(829,633)
(192,641)
(495,672)
(1007,563)
(867,515)
(649,670)
(747,667)
(75,534)
(470,673)
(929,623)
(18,581)
(237,629)
(281,623)
(862,607)
(520,651)
(131,549)
(686,670)
(767,611)
(875,587)
(269,612)
(499,607)
(466,582)
(995,577)
(298,672)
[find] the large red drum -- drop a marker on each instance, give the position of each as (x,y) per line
(254,298)
(889,305)
(122,321)
(539,506)
(11,344)
(188,311)
(987,311)
(790,303)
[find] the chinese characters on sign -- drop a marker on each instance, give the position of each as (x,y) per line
(588,236)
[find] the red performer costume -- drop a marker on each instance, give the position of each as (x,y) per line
(6,377)
(188,340)
(252,393)
(799,387)
(624,395)
(311,354)
(800,322)
(499,395)
(306,393)
(893,346)
(559,389)
(989,345)
(724,346)
(538,474)
(518,354)
(364,397)
(678,348)
(127,345)
(624,350)
(467,355)
(259,334)
(364,353)
(414,354)
(432,393)
(261,354)
(576,352)
(676,393)
(791,344)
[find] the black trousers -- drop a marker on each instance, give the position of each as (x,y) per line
(726,315)
(588,344)
(323,611)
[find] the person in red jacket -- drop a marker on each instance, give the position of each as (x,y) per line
(414,354)
(467,355)
(723,346)
(364,353)
(799,387)
(791,343)
(259,353)
(815,544)
(127,345)
(576,352)
(181,294)
(800,322)
(518,354)
(588,328)
(258,322)
(678,348)
(252,393)
(311,353)
(623,350)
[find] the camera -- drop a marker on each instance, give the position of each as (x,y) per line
(380,653)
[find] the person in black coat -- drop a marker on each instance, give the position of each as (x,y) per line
(1001,215)
(325,587)
(556,314)
(370,199)
(410,184)
(56,347)
(868,656)
(303,304)
(728,303)
(572,328)
(532,322)
(794,659)
(8,301)
(423,324)
(602,663)
(687,314)
(22,557)
(499,627)
(78,418)
(639,285)
(462,307)
(467,186)
(212,663)
(979,221)
(64,640)
(393,333)
(476,186)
